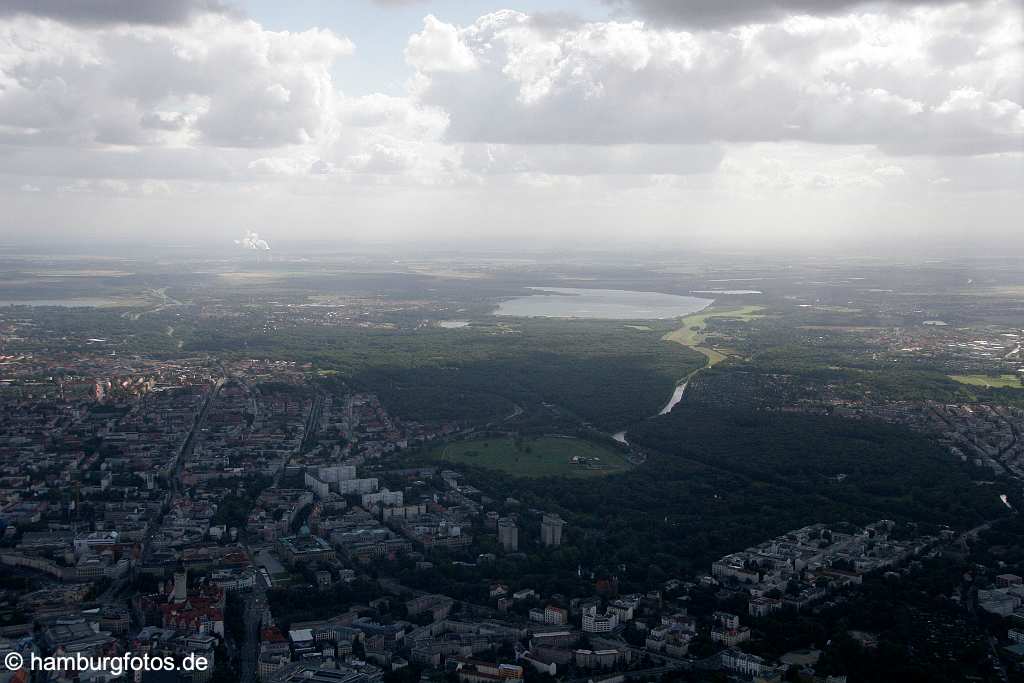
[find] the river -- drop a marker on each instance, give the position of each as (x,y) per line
(677,396)
(673,401)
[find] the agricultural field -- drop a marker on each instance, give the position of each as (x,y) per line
(547,456)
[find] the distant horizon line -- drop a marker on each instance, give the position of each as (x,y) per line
(293,247)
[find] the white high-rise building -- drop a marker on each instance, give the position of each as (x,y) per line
(551,530)
(508,535)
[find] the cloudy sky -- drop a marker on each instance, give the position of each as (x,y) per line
(705,123)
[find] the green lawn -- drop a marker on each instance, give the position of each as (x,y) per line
(546,456)
(997,382)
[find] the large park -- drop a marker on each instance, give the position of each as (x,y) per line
(545,456)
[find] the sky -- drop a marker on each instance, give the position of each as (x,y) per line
(737,124)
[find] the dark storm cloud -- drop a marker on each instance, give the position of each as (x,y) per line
(111,11)
(730,12)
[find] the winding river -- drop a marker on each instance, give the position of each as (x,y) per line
(608,304)
(677,396)
(673,401)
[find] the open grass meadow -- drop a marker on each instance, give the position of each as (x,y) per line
(691,331)
(995,382)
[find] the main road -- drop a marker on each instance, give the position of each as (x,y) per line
(255,605)
(190,443)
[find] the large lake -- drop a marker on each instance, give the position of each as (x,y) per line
(64,303)
(604,304)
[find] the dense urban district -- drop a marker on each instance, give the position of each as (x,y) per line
(360,469)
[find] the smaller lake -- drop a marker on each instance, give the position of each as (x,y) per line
(603,304)
(726,291)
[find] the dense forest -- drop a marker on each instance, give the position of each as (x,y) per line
(605,373)
(717,481)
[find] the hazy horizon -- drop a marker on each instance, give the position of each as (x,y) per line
(510,248)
